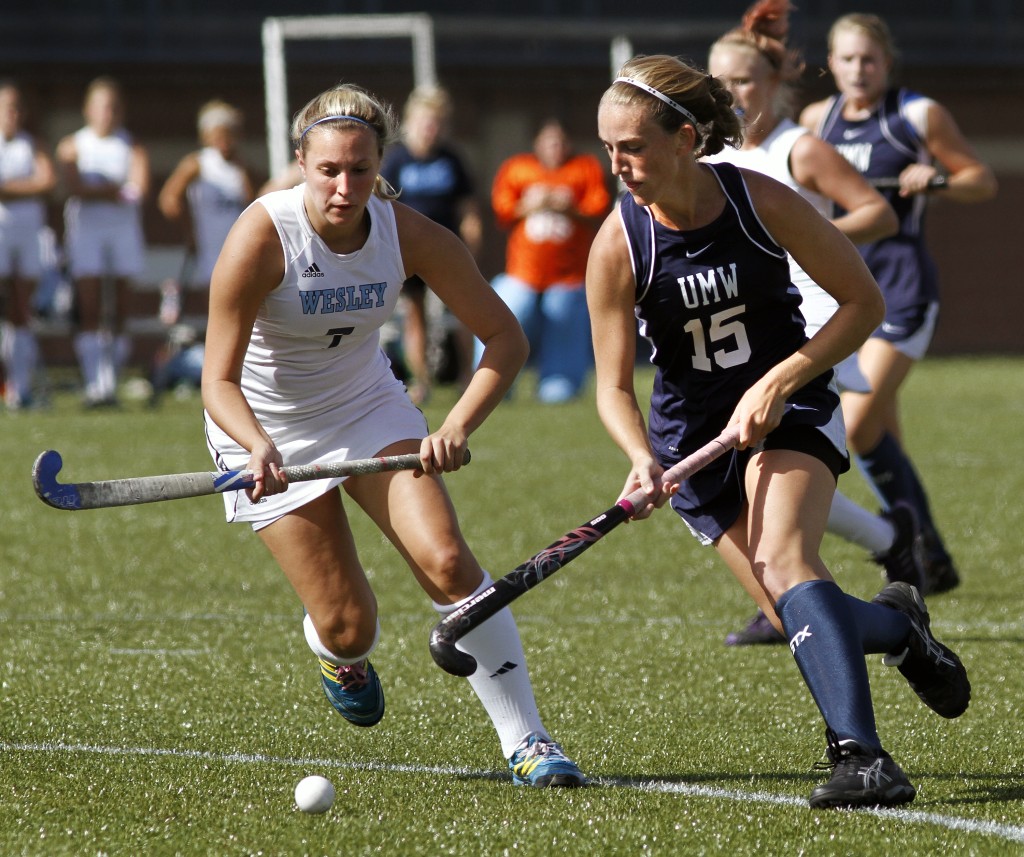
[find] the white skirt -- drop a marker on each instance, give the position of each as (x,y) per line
(359,430)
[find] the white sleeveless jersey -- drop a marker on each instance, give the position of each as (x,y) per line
(315,344)
(17,161)
(216,197)
(771,158)
(103,159)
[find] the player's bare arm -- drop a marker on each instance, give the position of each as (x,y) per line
(251,264)
(817,165)
(969,179)
(610,300)
(445,264)
(172,196)
(829,258)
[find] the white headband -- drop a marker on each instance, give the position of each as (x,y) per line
(661,96)
(331,119)
(219,117)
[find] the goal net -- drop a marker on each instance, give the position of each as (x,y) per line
(417,28)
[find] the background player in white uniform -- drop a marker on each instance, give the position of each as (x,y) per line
(758,70)
(207,191)
(295,374)
(204,195)
(106,175)
(26,176)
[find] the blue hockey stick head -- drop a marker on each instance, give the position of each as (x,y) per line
(49,490)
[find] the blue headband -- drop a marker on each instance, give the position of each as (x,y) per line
(332,119)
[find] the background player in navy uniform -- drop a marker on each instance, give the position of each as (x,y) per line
(755,64)
(432,178)
(697,252)
(894,133)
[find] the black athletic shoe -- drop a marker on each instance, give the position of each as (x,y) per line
(940,575)
(934,672)
(903,562)
(861,777)
(759,631)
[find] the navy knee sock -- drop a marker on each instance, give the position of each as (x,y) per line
(826,644)
(882,630)
(893,477)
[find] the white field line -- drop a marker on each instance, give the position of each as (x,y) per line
(398,617)
(1007,832)
(161,652)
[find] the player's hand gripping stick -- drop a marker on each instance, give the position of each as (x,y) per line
(541,566)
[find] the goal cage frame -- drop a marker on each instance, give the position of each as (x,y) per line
(418,28)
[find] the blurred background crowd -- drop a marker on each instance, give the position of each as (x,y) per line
(504,77)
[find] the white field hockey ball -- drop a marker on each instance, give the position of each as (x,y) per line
(314,794)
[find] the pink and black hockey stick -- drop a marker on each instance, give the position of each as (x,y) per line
(541,566)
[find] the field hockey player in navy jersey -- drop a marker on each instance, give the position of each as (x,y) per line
(698,253)
(894,135)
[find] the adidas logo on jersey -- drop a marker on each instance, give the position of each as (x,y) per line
(313,271)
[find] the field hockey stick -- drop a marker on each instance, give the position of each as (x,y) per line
(541,566)
(935,183)
(176,486)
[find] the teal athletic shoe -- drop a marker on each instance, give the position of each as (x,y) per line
(540,762)
(354,691)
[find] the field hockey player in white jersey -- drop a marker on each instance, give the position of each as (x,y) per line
(26,176)
(295,374)
(106,175)
(206,192)
(759,70)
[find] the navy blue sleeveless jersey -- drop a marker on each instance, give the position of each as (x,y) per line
(882,146)
(720,310)
(434,185)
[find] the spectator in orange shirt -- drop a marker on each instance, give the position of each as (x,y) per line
(551,200)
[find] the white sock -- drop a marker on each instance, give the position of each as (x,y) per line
(856,524)
(23,361)
(87,347)
(106,373)
(501,680)
(321,651)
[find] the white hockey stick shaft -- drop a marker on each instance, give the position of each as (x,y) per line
(176,486)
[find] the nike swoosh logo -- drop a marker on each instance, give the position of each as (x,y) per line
(696,253)
(850,133)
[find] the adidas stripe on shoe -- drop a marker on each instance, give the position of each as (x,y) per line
(538,761)
(354,690)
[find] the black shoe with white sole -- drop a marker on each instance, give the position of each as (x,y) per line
(861,777)
(933,670)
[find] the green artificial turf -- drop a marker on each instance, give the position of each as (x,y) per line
(157,696)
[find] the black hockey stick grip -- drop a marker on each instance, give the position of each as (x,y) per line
(541,566)
(937,183)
